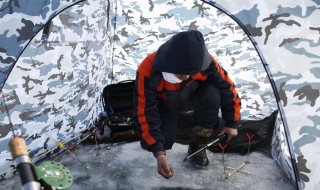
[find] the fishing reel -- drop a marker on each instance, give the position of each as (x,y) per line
(48,175)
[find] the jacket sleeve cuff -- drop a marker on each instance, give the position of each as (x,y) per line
(158,146)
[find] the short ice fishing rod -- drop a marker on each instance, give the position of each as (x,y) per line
(47,175)
(20,155)
(217,140)
(23,163)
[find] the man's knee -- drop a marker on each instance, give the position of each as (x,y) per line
(168,144)
(200,131)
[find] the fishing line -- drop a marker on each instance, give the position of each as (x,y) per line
(94,133)
(61,145)
(67,150)
(7,111)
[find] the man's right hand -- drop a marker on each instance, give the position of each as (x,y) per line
(163,167)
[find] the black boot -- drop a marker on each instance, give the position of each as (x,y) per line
(201,138)
(199,159)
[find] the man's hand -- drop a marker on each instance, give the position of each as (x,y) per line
(231,133)
(163,167)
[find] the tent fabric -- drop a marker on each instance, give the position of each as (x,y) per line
(53,82)
(20,20)
(53,92)
(287,36)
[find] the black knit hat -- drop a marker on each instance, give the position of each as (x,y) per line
(184,53)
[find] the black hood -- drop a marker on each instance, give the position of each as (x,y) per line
(184,53)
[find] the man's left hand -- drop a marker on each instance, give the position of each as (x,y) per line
(231,132)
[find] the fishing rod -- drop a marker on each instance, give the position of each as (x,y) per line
(47,175)
(23,163)
(214,142)
(82,136)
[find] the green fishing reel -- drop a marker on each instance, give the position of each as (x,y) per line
(53,175)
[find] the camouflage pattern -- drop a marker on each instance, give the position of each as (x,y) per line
(287,36)
(280,150)
(141,32)
(19,22)
(53,90)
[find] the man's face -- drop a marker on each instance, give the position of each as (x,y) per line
(182,77)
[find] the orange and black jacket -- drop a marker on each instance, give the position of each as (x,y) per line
(184,53)
(149,88)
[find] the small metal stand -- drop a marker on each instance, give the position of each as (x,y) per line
(239,168)
(223,161)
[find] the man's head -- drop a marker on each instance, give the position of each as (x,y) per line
(185,54)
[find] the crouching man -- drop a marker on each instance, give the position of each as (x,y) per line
(182,70)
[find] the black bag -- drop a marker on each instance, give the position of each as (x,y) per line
(118,99)
(261,129)
(261,132)
(118,104)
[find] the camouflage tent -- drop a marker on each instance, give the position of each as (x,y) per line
(56,57)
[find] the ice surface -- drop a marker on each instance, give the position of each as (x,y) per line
(128,166)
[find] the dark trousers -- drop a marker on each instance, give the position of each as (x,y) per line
(204,101)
